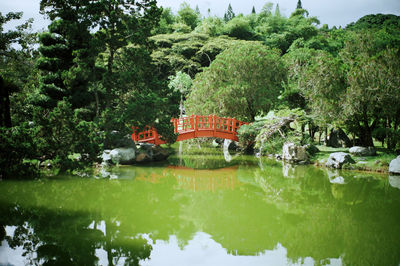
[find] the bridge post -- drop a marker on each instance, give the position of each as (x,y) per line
(215,125)
(196,121)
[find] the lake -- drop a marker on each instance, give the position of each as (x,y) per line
(198,209)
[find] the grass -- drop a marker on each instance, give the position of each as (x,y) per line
(378,163)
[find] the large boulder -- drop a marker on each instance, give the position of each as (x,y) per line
(394,181)
(294,153)
(150,152)
(338,159)
(123,155)
(362,151)
(337,138)
(159,153)
(394,166)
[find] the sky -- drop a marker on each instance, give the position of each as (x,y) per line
(331,12)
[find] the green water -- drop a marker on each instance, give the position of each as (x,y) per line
(246,212)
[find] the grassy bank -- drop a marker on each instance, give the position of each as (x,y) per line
(378,163)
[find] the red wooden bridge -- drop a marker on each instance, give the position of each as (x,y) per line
(195,126)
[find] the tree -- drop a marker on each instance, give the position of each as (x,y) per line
(188,16)
(239,27)
(299,5)
(121,22)
(10,56)
(66,54)
(253,10)
(181,83)
(229,14)
(165,26)
(277,11)
(373,79)
(242,82)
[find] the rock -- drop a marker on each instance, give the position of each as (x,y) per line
(311,149)
(362,151)
(106,157)
(394,166)
(294,153)
(143,157)
(159,153)
(123,155)
(337,138)
(337,159)
(394,181)
(215,144)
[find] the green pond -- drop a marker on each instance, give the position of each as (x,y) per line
(198,209)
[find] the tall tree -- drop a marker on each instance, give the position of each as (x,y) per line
(64,48)
(253,10)
(299,5)
(229,14)
(188,16)
(122,22)
(242,82)
(277,11)
(9,55)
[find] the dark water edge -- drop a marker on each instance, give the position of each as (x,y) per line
(200,210)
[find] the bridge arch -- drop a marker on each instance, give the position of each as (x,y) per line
(194,126)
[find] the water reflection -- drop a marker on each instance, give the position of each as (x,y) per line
(239,215)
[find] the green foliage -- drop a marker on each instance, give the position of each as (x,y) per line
(16,145)
(181,82)
(375,21)
(243,81)
(188,16)
(212,26)
(167,20)
(229,14)
(239,27)
(270,133)
(186,52)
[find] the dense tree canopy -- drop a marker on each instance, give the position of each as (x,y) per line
(243,81)
(104,66)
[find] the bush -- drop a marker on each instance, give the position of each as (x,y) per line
(17,146)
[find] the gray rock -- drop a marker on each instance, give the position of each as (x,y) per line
(215,144)
(143,157)
(123,155)
(294,153)
(394,166)
(337,138)
(337,159)
(106,157)
(394,181)
(362,151)
(159,153)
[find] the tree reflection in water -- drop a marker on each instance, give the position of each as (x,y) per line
(246,209)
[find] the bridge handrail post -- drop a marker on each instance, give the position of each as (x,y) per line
(233,125)
(155,134)
(215,124)
(196,121)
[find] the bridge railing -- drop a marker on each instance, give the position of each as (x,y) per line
(192,123)
(206,122)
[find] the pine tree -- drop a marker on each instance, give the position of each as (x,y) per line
(299,5)
(277,11)
(253,11)
(197,10)
(229,14)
